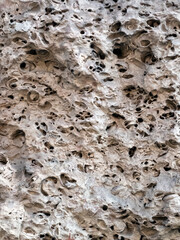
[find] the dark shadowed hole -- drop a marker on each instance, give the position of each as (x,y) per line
(116,237)
(104,207)
(32,52)
(23,65)
(3,159)
(132,151)
(153,22)
(167,168)
(18,133)
(116,26)
(140,120)
(117,115)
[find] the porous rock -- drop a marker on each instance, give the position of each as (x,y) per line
(89,119)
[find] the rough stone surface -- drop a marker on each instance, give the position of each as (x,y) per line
(89,119)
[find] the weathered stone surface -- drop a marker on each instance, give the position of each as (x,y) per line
(89,119)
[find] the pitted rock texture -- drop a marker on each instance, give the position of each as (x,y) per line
(89,121)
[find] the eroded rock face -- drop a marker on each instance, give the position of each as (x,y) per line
(89,123)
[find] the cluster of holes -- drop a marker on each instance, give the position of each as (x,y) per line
(99,66)
(84,115)
(49,91)
(46,236)
(140,97)
(49,146)
(42,127)
(150,166)
(52,116)
(153,22)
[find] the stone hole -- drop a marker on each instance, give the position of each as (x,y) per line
(18,133)
(3,159)
(50,186)
(121,50)
(153,22)
(32,96)
(98,51)
(148,58)
(132,151)
(49,146)
(67,181)
(115,26)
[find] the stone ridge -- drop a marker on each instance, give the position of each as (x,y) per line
(89,119)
